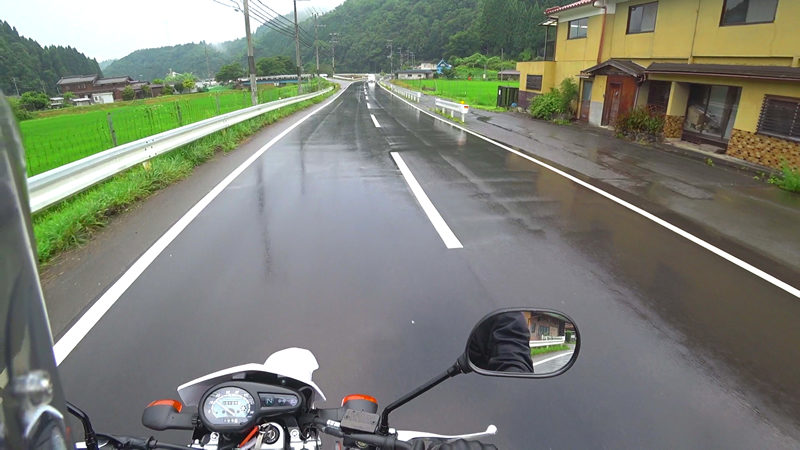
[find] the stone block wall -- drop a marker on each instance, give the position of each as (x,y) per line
(673,126)
(765,150)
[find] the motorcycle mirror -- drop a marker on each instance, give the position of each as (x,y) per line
(523,343)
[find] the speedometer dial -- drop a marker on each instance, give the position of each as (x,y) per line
(229,407)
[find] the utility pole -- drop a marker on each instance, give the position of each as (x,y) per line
(297,51)
(208,66)
(14,79)
(412,60)
(400,50)
(391,56)
(316,39)
(251,61)
(334,41)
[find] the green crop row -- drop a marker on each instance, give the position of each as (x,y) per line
(62,138)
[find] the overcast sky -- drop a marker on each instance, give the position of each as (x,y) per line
(111,29)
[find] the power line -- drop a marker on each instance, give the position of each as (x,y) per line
(283,19)
(271,22)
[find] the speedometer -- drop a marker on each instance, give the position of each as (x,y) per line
(228,407)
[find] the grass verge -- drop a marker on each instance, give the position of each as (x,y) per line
(447,115)
(74,221)
(788,180)
(549,349)
(477,94)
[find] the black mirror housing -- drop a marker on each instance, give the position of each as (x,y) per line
(522,343)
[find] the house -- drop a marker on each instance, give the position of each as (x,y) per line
(722,72)
(83,101)
(427,66)
(77,84)
(414,74)
(441,66)
(56,102)
(545,326)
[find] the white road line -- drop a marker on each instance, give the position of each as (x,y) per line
(81,328)
(450,239)
(683,233)
(552,358)
(375,121)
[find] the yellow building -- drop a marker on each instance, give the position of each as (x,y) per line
(724,72)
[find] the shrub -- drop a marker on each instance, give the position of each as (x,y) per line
(19,112)
(559,103)
(640,124)
(789,180)
(33,101)
(128,94)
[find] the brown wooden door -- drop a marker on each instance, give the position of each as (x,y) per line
(611,103)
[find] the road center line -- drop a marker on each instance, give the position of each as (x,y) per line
(674,228)
(81,328)
(375,121)
(447,235)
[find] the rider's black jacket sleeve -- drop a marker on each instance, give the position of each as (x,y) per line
(502,344)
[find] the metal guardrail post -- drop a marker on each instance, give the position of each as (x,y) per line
(111,129)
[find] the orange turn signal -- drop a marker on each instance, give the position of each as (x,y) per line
(359,397)
(174,403)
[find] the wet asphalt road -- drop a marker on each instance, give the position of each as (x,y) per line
(320,244)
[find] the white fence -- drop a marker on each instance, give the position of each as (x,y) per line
(453,108)
(414,96)
(555,340)
(62,182)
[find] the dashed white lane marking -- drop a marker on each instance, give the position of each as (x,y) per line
(447,235)
(81,328)
(675,229)
(375,121)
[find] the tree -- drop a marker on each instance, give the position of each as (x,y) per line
(146,90)
(229,72)
(34,101)
(178,87)
(68,96)
(158,81)
(188,84)
(167,90)
(128,94)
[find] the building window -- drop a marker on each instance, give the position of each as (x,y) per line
(711,111)
(577,28)
(533,83)
(658,97)
(742,12)
(544,331)
(780,117)
(533,328)
(642,18)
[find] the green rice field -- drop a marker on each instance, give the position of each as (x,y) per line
(68,135)
(471,92)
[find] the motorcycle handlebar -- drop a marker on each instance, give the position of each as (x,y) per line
(384,442)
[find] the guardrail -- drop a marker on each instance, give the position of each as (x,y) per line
(62,182)
(454,108)
(547,342)
(407,93)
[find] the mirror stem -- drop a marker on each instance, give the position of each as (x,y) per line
(90,438)
(455,369)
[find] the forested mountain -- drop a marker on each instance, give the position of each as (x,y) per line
(151,63)
(35,68)
(431,29)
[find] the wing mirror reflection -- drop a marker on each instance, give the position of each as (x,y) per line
(523,343)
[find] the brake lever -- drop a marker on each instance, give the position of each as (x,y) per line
(407,435)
